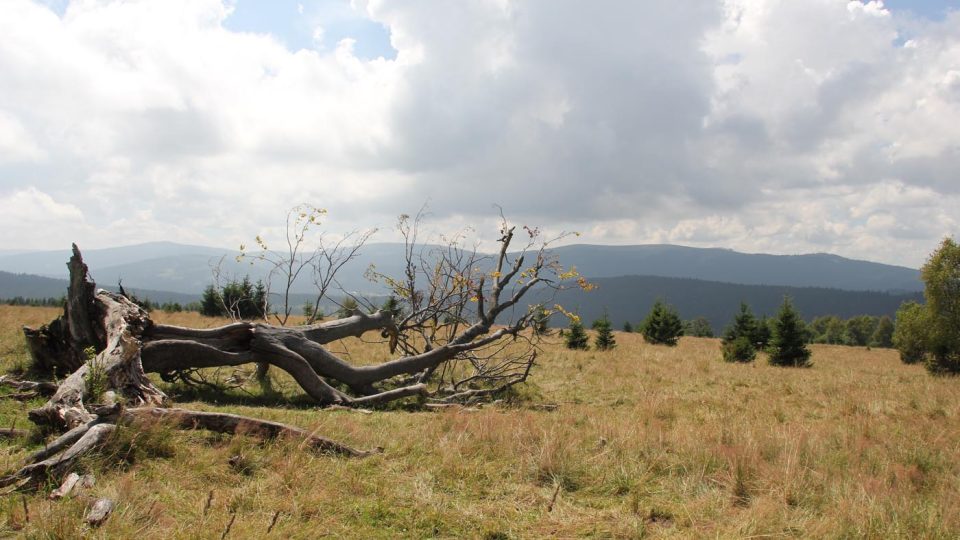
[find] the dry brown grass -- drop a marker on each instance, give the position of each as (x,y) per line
(647,442)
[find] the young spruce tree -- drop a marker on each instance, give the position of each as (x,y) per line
(347,308)
(738,340)
(604,340)
(210,303)
(662,326)
(576,336)
(763,333)
(788,346)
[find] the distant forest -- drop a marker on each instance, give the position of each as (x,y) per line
(624,299)
(629,298)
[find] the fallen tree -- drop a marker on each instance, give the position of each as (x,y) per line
(443,329)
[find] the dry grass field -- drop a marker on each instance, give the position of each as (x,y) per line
(647,441)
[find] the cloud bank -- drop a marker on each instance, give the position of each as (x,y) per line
(774,125)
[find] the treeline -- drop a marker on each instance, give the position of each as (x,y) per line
(237,299)
(926,333)
(34,302)
(859,331)
(627,298)
(784,337)
(145,303)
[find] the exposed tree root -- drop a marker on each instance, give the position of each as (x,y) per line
(41,388)
(35,474)
(244,425)
(60,456)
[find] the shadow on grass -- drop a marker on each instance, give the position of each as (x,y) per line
(267,396)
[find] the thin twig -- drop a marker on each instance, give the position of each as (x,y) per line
(553,499)
(233,516)
(276,516)
(206,506)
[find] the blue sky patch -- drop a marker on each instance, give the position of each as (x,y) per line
(295,24)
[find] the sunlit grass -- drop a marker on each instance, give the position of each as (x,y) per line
(647,441)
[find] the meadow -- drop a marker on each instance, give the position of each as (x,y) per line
(645,442)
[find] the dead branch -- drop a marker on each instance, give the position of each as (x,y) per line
(100,510)
(243,425)
(34,474)
(41,388)
(13,433)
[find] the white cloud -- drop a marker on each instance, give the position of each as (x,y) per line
(31,217)
(762,125)
(16,144)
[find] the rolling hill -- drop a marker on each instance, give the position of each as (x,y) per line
(625,298)
(186,269)
(30,286)
(724,265)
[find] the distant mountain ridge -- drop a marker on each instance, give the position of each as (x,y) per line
(39,287)
(167,266)
(624,299)
(724,265)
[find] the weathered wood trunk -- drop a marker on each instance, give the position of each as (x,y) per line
(101,335)
(115,373)
(58,348)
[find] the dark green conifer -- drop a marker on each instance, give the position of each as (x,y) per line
(662,326)
(788,346)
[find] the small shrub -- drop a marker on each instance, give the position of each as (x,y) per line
(909,335)
(883,335)
(699,327)
(95,380)
(347,308)
(662,326)
(739,350)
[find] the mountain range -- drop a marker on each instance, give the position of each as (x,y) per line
(707,282)
(187,269)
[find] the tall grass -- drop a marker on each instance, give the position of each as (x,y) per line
(647,441)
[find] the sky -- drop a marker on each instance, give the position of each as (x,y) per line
(777,126)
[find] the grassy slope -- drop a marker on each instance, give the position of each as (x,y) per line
(647,441)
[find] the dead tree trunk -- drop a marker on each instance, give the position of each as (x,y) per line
(58,348)
(94,398)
